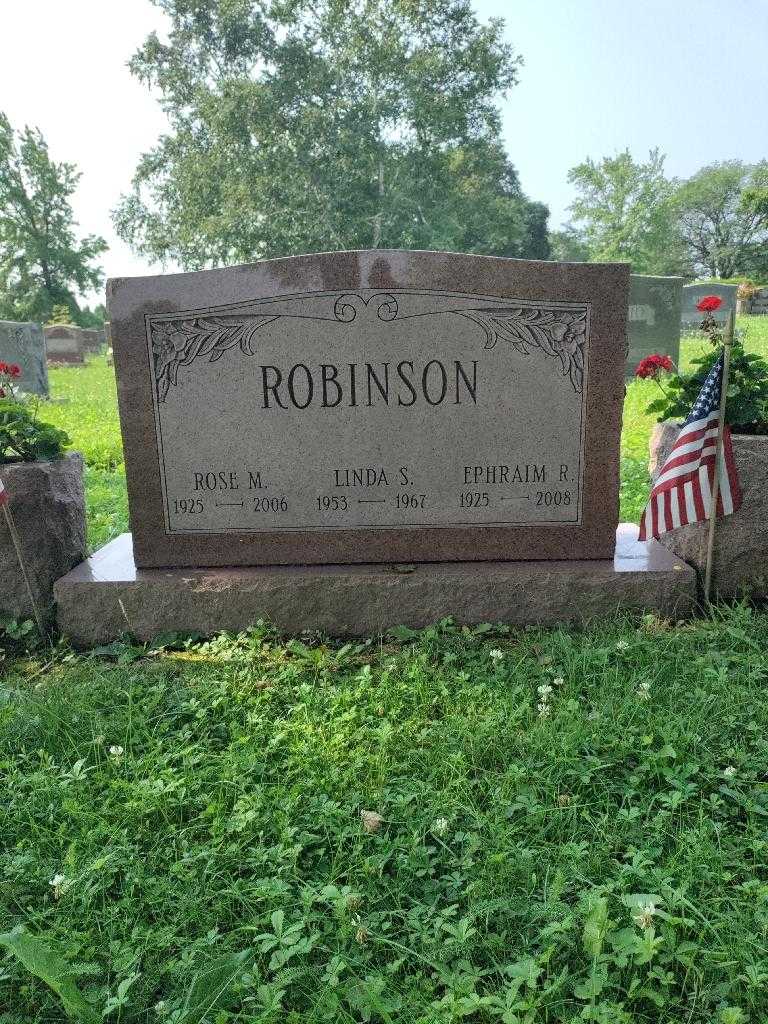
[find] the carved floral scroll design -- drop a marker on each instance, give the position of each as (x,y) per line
(559,333)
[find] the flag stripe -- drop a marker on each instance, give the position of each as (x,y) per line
(682,491)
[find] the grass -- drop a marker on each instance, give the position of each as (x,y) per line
(89,415)
(571,827)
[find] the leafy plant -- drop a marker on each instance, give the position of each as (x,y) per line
(746,409)
(23,438)
(49,966)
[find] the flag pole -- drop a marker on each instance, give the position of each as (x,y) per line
(17,548)
(727,344)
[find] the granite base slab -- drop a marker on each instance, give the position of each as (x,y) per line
(106,596)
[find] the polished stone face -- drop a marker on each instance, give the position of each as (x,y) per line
(381,406)
(693,293)
(23,344)
(654,318)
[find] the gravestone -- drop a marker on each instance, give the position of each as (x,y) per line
(693,293)
(93,338)
(24,344)
(64,343)
(349,441)
(654,318)
(368,407)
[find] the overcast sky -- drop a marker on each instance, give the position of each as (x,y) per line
(689,76)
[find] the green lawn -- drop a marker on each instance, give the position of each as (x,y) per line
(572,827)
(90,417)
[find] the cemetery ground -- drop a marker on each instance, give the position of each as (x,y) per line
(484,824)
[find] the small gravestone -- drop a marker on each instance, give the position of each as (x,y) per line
(24,344)
(694,293)
(93,338)
(654,318)
(64,343)
(362,439)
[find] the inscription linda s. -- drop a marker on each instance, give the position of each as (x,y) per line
(377,410)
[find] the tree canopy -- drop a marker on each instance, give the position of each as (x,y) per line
(42,262)
(722,221)
(714,224)
(622,211)
(301,126)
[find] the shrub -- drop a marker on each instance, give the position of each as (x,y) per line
(23,438)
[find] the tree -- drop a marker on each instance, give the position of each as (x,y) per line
(721,218)
(623,212)
(42,264)
(300,126)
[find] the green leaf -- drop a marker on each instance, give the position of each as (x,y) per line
(211,986)
(595,926)
(49,966)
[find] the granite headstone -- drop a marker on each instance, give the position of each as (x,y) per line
(64,343)
(24,344)
(694,293)
(654,318)
(374,406)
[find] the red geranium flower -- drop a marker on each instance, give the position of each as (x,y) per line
(15,370)
(651,366)
(3,367)
(709,304)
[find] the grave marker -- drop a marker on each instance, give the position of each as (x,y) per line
(64,343)
(24,344)
(693,293)
(380,406)
(654,318)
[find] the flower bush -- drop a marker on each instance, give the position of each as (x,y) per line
(746,408)
(23,438)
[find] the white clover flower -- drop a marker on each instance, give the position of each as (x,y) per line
(729,772)
(644,916)
(558,681)
(116,752)
(544,709)
(622,645)
(439,826)
(57,883)
(495,654)
(544,691)
(643,691)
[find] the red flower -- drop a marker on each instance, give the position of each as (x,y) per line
(3,367)
(709,304)
(14,370)
(651,366)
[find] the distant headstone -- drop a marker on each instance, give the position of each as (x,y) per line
(654,318)
(381,406)
(93,338)
(759,304)
(24,344)
(64,343)
(693,293)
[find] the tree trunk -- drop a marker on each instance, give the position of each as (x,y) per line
(377,220)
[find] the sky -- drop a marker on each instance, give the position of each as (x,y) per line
(688,76)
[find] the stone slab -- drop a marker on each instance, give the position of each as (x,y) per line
(24,344)
(64,343)
(48,506)
(372,406)
(693,293)
(107,595)
(740,568)
(655,304)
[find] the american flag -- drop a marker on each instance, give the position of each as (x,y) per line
(3,493)
(682,493)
